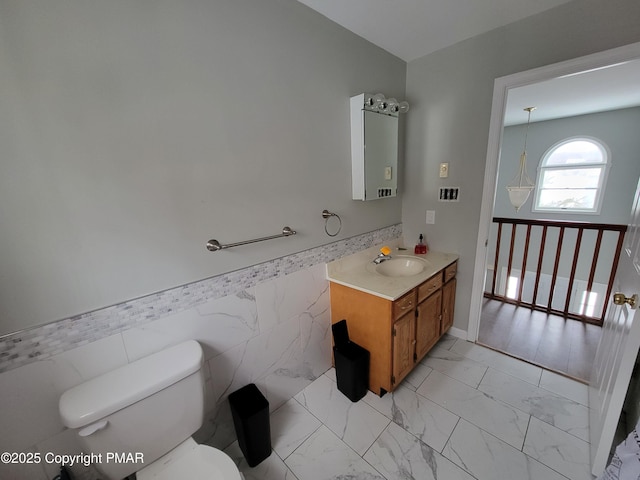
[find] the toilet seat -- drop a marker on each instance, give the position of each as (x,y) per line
(193,461)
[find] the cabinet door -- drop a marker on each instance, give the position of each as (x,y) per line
(448,303)
(428,324)
(403,347)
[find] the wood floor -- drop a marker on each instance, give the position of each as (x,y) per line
(563,345)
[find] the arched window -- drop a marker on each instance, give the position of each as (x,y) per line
(572,176)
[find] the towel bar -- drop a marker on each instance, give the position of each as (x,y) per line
(215,245)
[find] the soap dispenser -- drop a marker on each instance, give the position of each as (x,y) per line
(421,247)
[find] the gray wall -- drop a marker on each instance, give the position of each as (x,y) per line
(451,92)
(618,130)
(133,132)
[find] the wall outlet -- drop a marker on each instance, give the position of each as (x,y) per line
(431,217)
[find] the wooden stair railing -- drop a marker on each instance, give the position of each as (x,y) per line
(556,250)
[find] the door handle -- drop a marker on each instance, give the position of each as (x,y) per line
(621,299)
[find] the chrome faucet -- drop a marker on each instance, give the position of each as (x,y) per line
(381,258)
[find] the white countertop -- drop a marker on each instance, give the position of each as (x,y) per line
(358,271)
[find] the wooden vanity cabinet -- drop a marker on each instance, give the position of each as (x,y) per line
(399,333)
(448,303)
(429,313)
(404,340)
(448,297)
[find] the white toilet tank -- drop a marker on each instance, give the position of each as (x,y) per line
(145,409)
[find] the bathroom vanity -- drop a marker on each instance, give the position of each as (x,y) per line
(396,314)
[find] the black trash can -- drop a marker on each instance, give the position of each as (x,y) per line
(351,362)
(250,411)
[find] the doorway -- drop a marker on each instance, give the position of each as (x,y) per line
(510,94)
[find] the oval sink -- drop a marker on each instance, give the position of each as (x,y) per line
(401,267)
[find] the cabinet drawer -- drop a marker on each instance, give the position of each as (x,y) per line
(429,287)
(450,271)
(404,304)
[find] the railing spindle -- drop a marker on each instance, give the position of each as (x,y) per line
(594,262)
(543,242)
(523,270)
(495,264)
(574,265)
(513,241)
(555,268)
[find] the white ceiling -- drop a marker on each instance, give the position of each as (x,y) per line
(411,29)
(600,90)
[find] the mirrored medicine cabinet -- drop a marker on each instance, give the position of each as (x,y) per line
(374,146)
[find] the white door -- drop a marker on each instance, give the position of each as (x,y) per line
(618,348)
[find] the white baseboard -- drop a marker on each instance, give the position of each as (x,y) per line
(458,333)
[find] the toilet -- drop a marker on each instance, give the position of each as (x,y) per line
(140,418)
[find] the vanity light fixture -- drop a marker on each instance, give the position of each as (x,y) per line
(520,187)
(379,103)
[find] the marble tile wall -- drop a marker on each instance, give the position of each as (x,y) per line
(51,339)
(268,325)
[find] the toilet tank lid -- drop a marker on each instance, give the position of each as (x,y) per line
(101,396)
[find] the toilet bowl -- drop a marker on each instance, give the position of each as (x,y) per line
(192,461)
(146,412)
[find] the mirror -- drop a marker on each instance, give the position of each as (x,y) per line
(374,148)
(381,155)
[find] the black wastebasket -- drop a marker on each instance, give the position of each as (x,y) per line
(351,362)
(250,411)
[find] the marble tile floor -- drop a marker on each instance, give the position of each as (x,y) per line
(465,412)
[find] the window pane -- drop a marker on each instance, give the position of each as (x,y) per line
(576,153)
(571,178)
(583,199)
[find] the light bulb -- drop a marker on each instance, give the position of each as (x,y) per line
(393,105)
(379,99)
(403,107)
(369,100)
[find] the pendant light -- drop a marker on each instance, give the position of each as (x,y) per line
(520,187)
